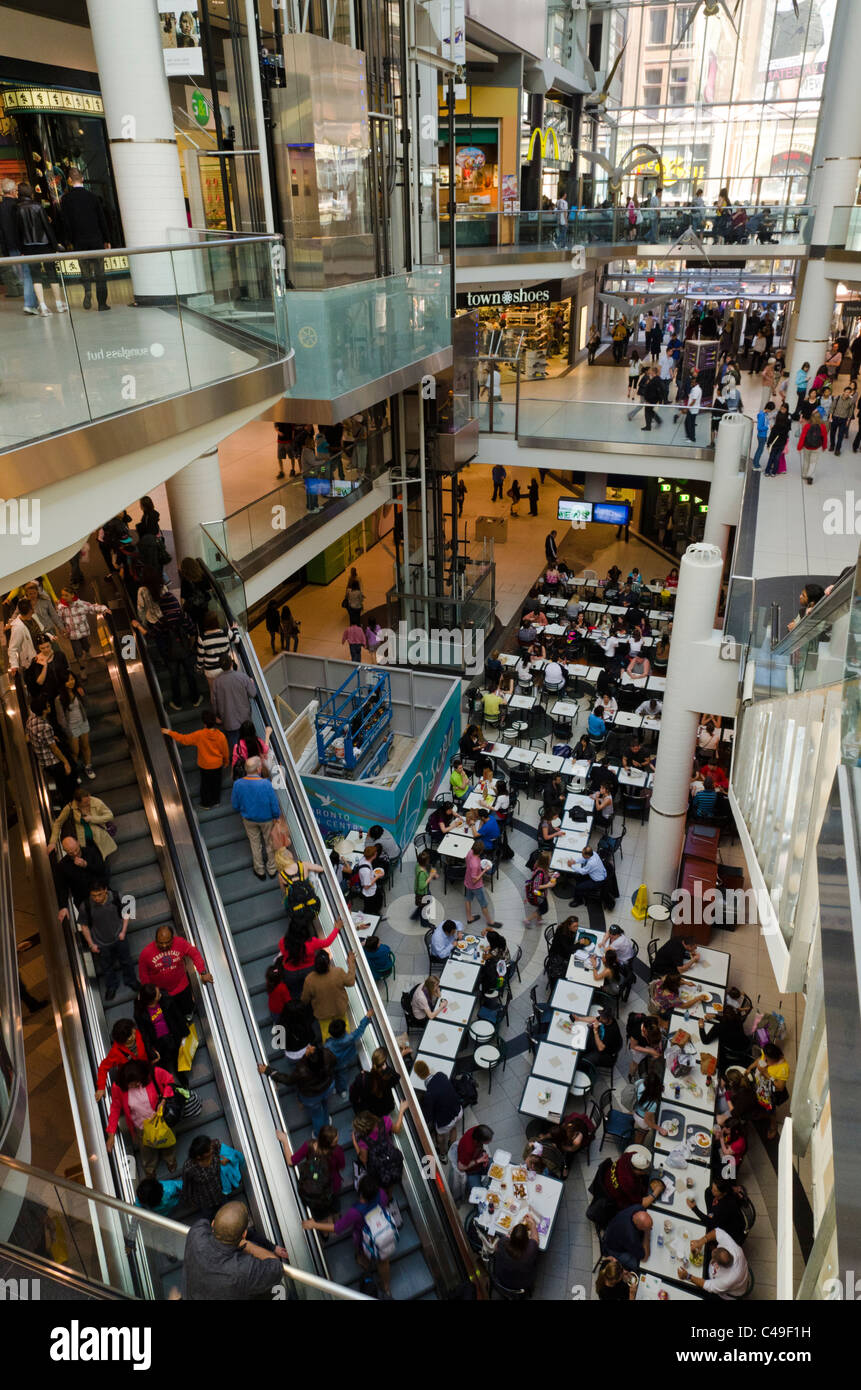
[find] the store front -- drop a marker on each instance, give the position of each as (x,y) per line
(533,326)
(673,513)
(485,167)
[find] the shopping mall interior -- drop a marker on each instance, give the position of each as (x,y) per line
(338,580)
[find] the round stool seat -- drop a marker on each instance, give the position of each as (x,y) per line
(487,1056)
(658,912)
(518,726)
(481,1028)
(582,1084)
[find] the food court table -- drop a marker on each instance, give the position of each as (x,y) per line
(543,1099)
(566,709)
(547,762)
(687,1125)
(680,1183)
(457,1006)
(522,755)
(691,988)
(572,998)
(555,1063)
(651,1289)
(693,1088)
(459,974)
(444,1064)
(562,861)
(676,1234)
(656,683)
(476,802)
(577,769)
(554,629)
(623,720)
(365,923)
(455,846)
(521,702)
(578,826)
(596,607)
(712,967)
(540,1197)
(442,1039)
(563,1033)
(634,777)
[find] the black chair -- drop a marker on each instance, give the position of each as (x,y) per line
(453,871)
(514,963)
(613,843)
(409,1018)
(616,1125)
(512,1295)
(562,729)
(549,933)
(635,807)
(521,778)
(534,1036)
(432,959)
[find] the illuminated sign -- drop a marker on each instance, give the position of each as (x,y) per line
(684,497)
(49,99)
(570,509)
(543,136)
(612,513)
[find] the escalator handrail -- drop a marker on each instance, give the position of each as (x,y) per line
(339,909)
(13,1125)
(825,612)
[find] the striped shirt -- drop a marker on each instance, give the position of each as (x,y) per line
(41,738)
(211,647)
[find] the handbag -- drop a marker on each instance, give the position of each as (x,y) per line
(280,835)
(184,1104)
(156,1132)
(187,1049)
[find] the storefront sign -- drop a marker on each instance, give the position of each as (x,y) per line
(49,99)
(547,293)
(180,39)
(543,137)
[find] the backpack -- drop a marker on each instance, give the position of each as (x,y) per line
(562,750)
(379,1234)
(315,1183)
(300,901)
(816,440)
(385,1163)
(464,1085)
(536,888)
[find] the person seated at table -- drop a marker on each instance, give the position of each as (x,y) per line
(493,706)
(544,1156)
(624,1181)
(661,655)
(635,643)
(379,956)
(614,1284)
(718,776)
(563,944)
(549,827)
(489,829)
(728,1027)
(639,668)
(622,944)
(728,1274)
(645,1044)
(665,995)
(628,1237)
(582,750)
(729,1147)
(697,783)
(470,823)
(554,790)
(672,579)
(493,669)
(502,801)
(604,809)
(614,640)
(679,953)
(492,977)
(650,709)
(608,976)
(605,1042)
(515,1261)
(607,705)
(527,633)
(648,1092)
(554,676)
(388,849)
(538,651)
(445,937)
(471,742)
(704,803)
(473,1160)
(551,579)
(591,866)
(595,723)
(637,756)
(441,821)
(722,1209)
(485,786)
(458,781)
(523,673)
(425,1000)
(573,608)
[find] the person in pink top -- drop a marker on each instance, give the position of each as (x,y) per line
(354,636)
(162,963)
(137,1093)
(473,884)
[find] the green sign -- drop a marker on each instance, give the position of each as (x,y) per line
(200,108)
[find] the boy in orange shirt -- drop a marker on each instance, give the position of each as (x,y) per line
(213,756)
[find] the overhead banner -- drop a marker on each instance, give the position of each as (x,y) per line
(180,39)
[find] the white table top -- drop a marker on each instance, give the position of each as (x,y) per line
(651,1287)
(564,709)
(543,1197)
(572,998)
(574,799)
(574,669)
(459,974)
(563,1033)
(693,1091)
(476,802)
(557,601)
(615,611)
(649,723)
(458,1005)
(547,762)
(555,1063)
(634,777)
(596,607)
(456,846)
(578,827)
(579,971)
(659,615)
(499,750)
(695,1122)
(522,755)
(638,681)
(521,702)
(365,928)
(664,1259)
(656,683)
(509,659)
(573,840)
(443,1064)
(699,1175)
(441,1039)
(693,987)
(628,721)
(555,629)
(712,967)
(560,859)
(553,1108)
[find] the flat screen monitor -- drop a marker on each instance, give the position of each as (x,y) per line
(612,513)
(574,510)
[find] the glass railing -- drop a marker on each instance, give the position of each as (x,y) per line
(851,722)
(764,225)
(582,423)
(818,651)
(106,1243)
(349,336)
(845,228)
(181,318)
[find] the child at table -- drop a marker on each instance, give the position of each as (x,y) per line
(424,876)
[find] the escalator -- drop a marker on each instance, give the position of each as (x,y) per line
(432,1254)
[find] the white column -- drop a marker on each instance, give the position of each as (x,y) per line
(194,494)
(139,120)
(696,600)
(833,181)
(731,457)
(595,487)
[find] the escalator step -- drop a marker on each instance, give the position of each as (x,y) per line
(132,854)
(144,881)
(109,727)
(131,825)
(237,885)
(261,909)
(111,750)
(341,1256)
(150,910)
(112,776)
(121,800)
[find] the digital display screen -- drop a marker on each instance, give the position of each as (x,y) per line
(612,513)
(573,510)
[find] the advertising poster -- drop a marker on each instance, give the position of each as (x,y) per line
(180,39)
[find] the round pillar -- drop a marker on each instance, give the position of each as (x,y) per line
(700,573)
(194,494)
(731,456)
(595,487)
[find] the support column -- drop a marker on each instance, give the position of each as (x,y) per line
(700,573)
(833,181)
(194,494)
(595,487)
(731,458)
(139,121)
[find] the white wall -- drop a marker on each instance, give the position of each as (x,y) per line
(33,39)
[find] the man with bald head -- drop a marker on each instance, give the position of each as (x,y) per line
(222,1265)
(628,1237)
(77,870)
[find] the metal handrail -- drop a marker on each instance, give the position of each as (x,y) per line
(143,1218)
(132,250)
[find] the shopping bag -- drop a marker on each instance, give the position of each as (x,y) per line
(187,1048)
(157,1133)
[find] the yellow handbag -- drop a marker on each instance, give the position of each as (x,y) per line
(157,1133)
(187,1048)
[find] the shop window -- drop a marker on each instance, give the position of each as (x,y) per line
(678,86)
(652,84)
(657,26)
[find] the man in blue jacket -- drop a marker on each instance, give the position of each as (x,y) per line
(255,800)
(763,429)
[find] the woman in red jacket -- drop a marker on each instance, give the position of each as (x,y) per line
(812,440)
(137,1093)
(126,1046)
(298,950)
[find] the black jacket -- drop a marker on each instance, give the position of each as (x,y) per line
(725,1213)
(35,233)
(780,429)
(85,226)
(71,878)
(440,1103)
(9,226)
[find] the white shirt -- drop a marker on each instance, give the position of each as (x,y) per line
(624,948)
(731,1280)
(694,398)
(21,650)
(367,879)
(553,674)
(593,868)
(562,212)
(608,704)
(646,709)
(612,643)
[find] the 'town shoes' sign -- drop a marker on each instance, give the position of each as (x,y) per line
(508,298)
